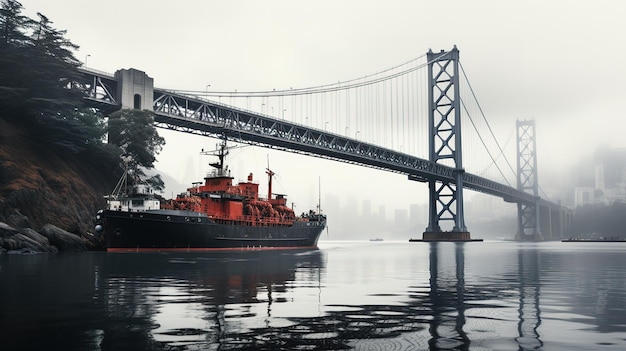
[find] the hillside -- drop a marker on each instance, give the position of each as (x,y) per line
(42,185)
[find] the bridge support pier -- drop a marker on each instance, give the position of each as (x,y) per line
(447,236)
(528,214)
(445,203)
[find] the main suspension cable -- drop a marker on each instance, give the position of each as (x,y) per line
(485,119)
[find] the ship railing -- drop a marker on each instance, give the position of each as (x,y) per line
(216,215)
(252,220)
(274,221)
(221,216)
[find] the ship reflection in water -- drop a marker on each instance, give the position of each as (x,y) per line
(230,299)
(346,295)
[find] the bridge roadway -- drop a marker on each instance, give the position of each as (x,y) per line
(195,115)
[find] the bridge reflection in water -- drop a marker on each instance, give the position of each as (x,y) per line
(364,296)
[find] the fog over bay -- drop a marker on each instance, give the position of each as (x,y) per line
(559,63)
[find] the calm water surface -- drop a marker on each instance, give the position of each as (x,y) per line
(346,295)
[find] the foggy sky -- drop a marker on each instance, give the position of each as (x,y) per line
(558,62)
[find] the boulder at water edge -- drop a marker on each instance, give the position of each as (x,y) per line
(62,239)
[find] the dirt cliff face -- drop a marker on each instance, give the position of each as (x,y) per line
(40,184)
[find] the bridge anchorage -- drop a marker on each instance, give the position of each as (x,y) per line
(443,171)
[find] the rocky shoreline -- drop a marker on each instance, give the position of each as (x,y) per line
(48,198)
(49,238)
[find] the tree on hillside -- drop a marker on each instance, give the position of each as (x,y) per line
(37,72)
(76,130)
(37,66)
(134,133)
(13,55)
(12,25)
(52,87)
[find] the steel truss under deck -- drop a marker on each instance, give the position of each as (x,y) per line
(100,89)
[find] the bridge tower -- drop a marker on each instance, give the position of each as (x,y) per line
(528,228)
(444,127)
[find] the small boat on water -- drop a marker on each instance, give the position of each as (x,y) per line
(211,215)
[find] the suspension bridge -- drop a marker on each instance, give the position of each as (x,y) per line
(424,107)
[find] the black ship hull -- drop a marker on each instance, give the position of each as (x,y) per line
(159,230)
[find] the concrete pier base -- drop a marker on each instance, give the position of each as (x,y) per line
(445,236)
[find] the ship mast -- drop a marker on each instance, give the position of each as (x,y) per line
(221,152)
(319,194)
(270,174)
(121,187)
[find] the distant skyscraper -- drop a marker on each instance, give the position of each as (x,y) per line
(367,208)
(418,214)
(584,196)
(599,176)
(401,219)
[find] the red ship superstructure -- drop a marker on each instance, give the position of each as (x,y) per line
(239,204)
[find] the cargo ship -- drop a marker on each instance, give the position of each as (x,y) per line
(211,215)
